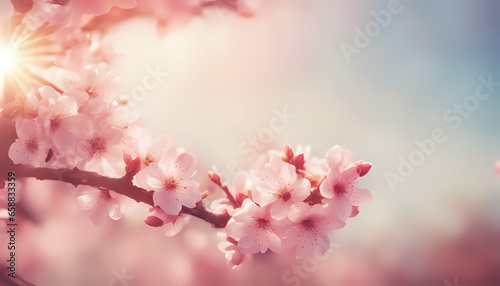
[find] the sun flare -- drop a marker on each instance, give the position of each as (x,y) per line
(7,58)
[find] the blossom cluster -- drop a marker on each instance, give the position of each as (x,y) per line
(291,203)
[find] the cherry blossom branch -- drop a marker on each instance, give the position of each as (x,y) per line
(77,177)
(121,185)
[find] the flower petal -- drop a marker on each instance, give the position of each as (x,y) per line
(114,211)
(99,213)
(273,241)
(326,189)
(18,154)
(280,209)
(343,208)
(186,164)
(236,230)
(298,212)
(26,129)
(334,156)
(155,177)
(359,196)
(188,195)
(350,175)
(167,201)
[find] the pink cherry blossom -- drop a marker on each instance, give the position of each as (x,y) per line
(310,227)
(173,184)
(233,254)
(170,224)
(100,82)
(58,115)
(152,153)
(278,184)
(341,188)
(100,149)
(102,203)
(32,145)
(255,230)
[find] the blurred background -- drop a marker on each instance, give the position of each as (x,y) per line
(229,76)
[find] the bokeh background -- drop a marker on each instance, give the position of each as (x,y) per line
(227,75)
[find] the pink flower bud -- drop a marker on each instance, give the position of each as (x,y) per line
(127,158)
(231,240)
(204,194)
(133,167)
(363,168)
(154,221)
(240,197)
(215,178)
(298,161)
(288,154)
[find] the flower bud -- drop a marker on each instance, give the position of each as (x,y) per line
(288,154)
(298,161)
(154,221)
(133,167)
(215,178)
(204,195)
(363,168)
(240,197)
(127,158)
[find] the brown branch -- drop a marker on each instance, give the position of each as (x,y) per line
(77,177)
(121,185)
